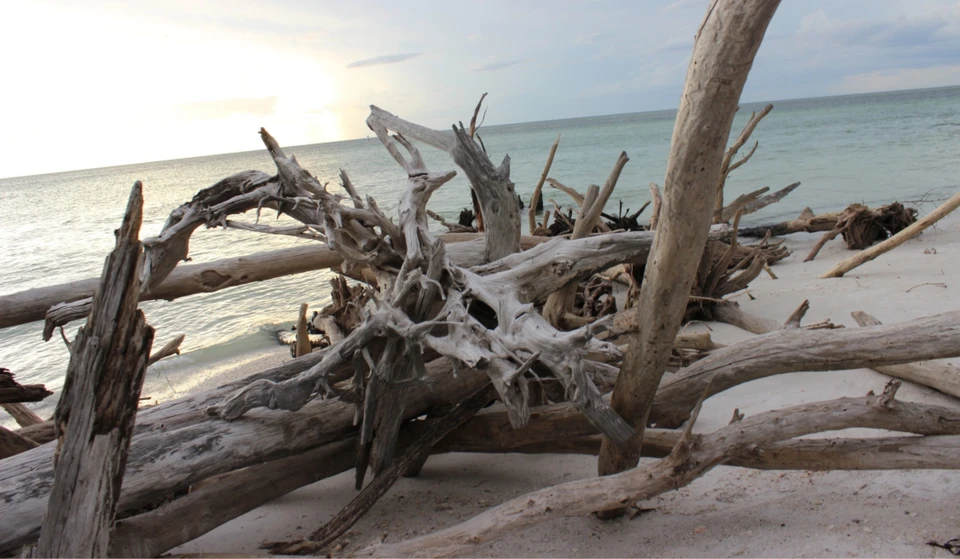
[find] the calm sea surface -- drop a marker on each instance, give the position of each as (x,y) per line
(56,228)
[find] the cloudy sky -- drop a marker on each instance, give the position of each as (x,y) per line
(106,82)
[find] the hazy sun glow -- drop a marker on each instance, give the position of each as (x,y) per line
(106,82)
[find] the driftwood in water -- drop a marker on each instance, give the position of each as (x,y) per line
(98,407)
(896,240)
(723,52)
(12,392)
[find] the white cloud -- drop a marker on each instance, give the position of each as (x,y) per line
(903,78)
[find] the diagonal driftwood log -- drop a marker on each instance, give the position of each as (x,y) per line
(723,52)
(535,201)
(692,457)
(12,392)
(894,241)
(23,415)
(791,350)
(12,443)
(98,407)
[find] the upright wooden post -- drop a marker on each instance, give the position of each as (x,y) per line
(723,53)
(97,409)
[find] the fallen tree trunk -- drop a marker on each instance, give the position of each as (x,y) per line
(794,350)
(32,304)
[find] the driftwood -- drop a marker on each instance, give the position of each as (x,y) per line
(896,240)
(755,201)
(862,226)
(536,201)
(693,456)
(98,407)
(163,460)
(723,52)
(23,415)
(552,429)
(12,392)
(12,443)
(939,376)
(727,165)
(32,304)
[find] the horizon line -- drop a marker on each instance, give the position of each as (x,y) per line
(492,126)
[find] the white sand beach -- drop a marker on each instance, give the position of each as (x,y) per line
(730,512)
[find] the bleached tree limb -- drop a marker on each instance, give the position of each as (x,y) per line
(535,199)
(685,464)
(23,415)
(171,348)
(657,204)
(939,376)
(723,53)
(894,241)
(725,166)
(794,349)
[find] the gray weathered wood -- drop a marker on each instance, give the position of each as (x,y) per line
(98,407)
(689,460)
(939,376)
(794,349)
(723,52)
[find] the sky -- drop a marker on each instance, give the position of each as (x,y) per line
(106,82)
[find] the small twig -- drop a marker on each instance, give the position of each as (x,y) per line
(934,283)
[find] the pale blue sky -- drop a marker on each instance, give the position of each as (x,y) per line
(104,82)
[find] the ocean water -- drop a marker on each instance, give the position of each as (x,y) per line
(55,228)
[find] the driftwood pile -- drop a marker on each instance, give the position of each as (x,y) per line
(440,327)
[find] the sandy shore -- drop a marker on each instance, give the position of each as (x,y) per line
(729,512)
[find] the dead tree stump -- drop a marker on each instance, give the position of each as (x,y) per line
(98,407)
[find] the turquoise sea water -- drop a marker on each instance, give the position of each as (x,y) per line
(873,148)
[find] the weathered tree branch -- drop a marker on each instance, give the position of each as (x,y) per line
(723,53)
(686,463)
